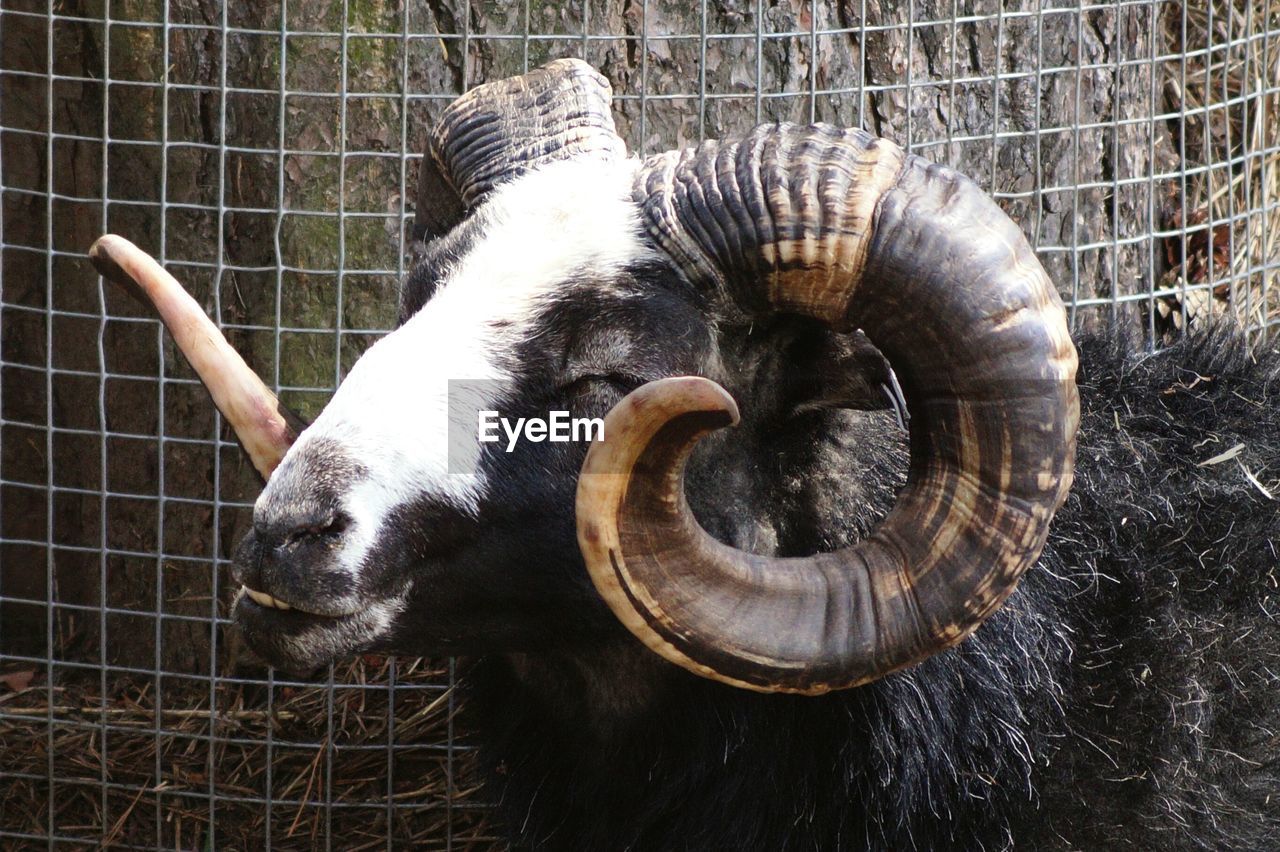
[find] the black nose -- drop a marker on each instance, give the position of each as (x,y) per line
(294,525)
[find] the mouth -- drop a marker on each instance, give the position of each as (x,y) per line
(298,640)
(267,600)
(264,599)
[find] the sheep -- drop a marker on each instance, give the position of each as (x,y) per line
(815,630)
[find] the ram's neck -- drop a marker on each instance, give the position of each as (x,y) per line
(612,749)
(601,694)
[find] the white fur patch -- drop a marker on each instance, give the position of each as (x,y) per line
(391,413)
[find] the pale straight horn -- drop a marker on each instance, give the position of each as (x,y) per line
(263,427)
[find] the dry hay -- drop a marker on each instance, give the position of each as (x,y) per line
(1223,92)
(134,772)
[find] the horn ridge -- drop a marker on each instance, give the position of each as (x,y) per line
(799,209)
(503,129)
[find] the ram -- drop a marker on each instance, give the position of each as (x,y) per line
(819,629)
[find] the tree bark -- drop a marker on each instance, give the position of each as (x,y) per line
(142,514)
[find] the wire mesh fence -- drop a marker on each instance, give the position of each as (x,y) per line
(267,155)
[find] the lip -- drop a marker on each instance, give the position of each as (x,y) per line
(267,601)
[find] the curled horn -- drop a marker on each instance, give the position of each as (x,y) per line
(262,425)
(846,228)
(503,129)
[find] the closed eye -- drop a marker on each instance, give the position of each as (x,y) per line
(618,382)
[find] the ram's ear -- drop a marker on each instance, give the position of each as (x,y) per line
(501,130)
(840,371)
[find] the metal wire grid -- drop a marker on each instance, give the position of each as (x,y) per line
(70,450)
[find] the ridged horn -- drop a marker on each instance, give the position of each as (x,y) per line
(263,426)
(502,129)
(844,227)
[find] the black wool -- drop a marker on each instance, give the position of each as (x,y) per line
(1126,697)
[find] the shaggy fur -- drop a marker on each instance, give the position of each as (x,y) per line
(1126,697)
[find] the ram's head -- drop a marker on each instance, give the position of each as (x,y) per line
(560,274)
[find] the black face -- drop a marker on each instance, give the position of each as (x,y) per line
(440,576)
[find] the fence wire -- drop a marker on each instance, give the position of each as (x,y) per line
(268,157)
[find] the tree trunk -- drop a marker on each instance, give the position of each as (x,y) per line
(143,515)
(1031,137)
(1053,146)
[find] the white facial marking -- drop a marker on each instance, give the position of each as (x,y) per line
(391,414)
